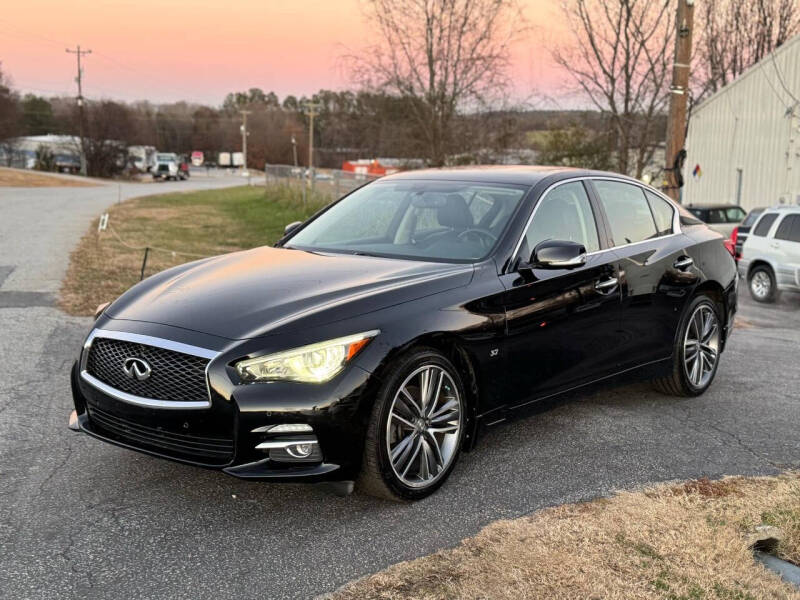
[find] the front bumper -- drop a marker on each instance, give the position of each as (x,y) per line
(225,435)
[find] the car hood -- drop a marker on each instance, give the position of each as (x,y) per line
(257,292)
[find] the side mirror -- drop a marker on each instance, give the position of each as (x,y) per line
(553,254)
(558,254)
(291,227)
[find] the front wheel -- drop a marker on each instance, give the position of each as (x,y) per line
(415,431)
(696,351)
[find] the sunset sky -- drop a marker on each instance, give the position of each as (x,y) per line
(199,50)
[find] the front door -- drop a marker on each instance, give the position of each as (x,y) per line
(562,325)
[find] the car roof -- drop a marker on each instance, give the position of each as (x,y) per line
(712,206)
(508,174)
(783,208)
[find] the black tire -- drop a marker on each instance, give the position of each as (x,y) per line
(679,382)
(762,285)
(378,477)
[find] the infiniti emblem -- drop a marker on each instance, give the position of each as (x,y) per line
(136,368)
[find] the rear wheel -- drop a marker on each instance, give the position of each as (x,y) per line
(762,284)
(415,430)
(696,352)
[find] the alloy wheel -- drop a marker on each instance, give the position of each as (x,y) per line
(701,346)
(425,421)
(760,284)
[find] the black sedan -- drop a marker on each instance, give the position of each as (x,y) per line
(374,341)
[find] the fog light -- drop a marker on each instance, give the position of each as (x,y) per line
(300,450)
(292,450)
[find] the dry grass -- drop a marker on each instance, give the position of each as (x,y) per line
(668,542)
(25,178)
(194,224)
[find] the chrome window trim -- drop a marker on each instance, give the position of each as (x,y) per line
(676,221)
(147,340)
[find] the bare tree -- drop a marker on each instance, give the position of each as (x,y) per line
(10,119)
(443,56)
(619,59)
(735,35)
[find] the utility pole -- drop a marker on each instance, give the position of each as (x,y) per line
(78,52)
(311,109)
(244,114)
(679,95)
(294,150)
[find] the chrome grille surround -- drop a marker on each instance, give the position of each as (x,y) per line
(163,352)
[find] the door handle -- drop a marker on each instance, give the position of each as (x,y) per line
(684,262)
(606,285)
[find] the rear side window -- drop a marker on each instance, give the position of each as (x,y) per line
(789,229)
(663,213)
(752,216)
(735,214)
(627,210)
(764,224)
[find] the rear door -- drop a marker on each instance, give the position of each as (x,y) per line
(656,271)
(786,245)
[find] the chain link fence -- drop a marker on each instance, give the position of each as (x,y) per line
(333,182)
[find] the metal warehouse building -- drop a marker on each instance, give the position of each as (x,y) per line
(743,145)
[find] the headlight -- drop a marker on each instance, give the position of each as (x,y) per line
(309,364)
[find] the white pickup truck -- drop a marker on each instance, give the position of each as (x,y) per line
(168,166)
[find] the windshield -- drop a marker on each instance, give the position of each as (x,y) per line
(429,220)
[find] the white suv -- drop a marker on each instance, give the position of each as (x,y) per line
(771,255)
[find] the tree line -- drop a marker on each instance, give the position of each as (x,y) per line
(435,85)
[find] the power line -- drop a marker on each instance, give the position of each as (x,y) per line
(780,79)
(78,53)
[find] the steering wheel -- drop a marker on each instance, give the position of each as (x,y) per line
(485,238)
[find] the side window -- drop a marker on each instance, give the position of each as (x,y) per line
(764,224)
(734,215)
(663,213)
(627,210)
(794,235)
(716,216)
(563,214)
(788,228)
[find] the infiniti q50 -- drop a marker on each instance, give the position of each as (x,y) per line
(374,341)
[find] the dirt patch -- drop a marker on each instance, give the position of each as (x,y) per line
(683,541)
(24,178)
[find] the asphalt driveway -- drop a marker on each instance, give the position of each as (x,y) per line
(79,518)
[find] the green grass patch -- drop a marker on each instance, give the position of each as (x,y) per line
(177,228)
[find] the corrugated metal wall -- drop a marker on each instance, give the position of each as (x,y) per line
(752,125)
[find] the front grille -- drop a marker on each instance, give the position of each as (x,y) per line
(207,450)
(174,376)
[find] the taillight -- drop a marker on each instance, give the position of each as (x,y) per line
(730,246)
(735,235)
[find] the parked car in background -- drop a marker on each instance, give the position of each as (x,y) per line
(741,231)
(771,254)
(375,340)
(168,166)
(719,217)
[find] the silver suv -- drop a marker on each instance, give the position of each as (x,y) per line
(771,254)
